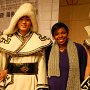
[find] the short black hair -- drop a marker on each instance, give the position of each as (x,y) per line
(58,26)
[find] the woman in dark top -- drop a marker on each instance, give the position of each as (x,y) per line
(66,60)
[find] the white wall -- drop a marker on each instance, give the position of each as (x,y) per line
(48,15)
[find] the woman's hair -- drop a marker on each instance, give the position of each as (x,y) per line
(57,26)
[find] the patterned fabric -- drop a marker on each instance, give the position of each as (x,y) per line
(21,52)
(8,41)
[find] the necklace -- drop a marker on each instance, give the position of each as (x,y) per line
(62,49)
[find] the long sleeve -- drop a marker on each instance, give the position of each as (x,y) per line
(2,61)
(42,77)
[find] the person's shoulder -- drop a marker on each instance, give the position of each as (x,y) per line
(44,40)
(5,36)
(42,37)
(79,45)
(86,43)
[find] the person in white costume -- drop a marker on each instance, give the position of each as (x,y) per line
(87,45)
(22,52)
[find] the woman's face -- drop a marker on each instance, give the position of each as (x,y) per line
(24,24)
(60,36)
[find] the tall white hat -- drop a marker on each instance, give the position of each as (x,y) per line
(87,40)
(25,9)
(87,28)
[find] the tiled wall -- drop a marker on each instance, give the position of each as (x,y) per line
(48,15)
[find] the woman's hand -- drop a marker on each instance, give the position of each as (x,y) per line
(3,75)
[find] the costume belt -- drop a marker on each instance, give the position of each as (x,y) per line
(23,68)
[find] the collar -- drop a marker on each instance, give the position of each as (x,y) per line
(20,36)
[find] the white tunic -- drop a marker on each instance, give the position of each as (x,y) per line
(28,51)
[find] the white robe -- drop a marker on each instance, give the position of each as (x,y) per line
(30,52)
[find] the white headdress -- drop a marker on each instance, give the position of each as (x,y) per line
(87,28)
(87,40)
(24,10)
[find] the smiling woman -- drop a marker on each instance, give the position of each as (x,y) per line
(67,60)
